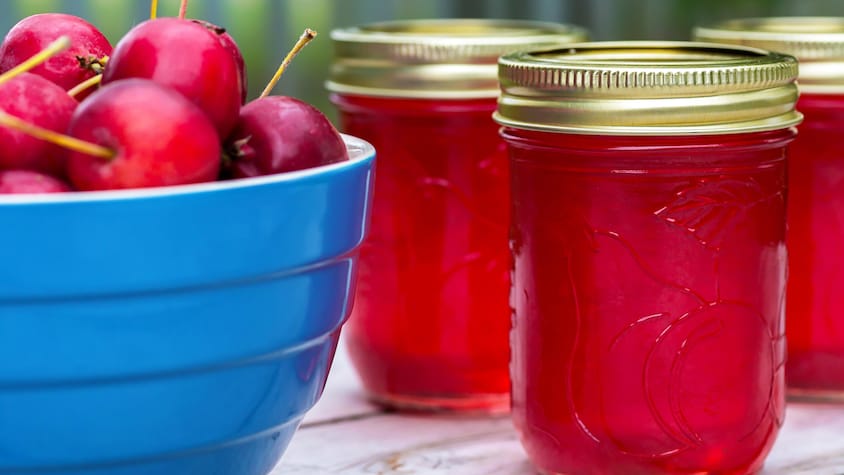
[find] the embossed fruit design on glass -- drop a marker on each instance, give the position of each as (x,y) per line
(430,322)
(815,304)
(648,236)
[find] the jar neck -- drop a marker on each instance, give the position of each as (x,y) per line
(408,106)
(725,150)
(821,111)
(632,143)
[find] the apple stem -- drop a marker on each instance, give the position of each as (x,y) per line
(183,9)
(153,10)
(57,46)
(62,140)
(306,38)
(85,85)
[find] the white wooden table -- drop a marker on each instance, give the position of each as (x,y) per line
(346,435)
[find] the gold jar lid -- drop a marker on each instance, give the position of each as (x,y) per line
(817,42)
(648,88)
(444,59)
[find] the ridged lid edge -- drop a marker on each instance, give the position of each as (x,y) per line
(648,88)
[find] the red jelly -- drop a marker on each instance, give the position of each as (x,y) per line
(648,236)
(430,323)
(815,310)
(815,304)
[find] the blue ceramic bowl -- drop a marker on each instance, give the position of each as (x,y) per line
(174,331)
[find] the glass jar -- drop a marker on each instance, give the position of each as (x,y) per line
(648,237)
(430,322)
(815,304)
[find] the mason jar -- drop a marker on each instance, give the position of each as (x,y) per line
(648,185)
(815,304)
(430,322)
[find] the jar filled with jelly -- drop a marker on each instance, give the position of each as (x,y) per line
(430,322)
(815,304)
(648,184)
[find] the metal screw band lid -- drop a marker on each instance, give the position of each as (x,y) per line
(817,42)
(449,59)
(648,88)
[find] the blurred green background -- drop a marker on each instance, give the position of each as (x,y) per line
(266,29)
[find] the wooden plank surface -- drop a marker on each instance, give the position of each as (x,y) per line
(344,434)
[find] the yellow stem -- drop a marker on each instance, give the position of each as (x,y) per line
(183,9)
(306,38)
(153,10)
(85,85)
(62,140)
(57,46)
